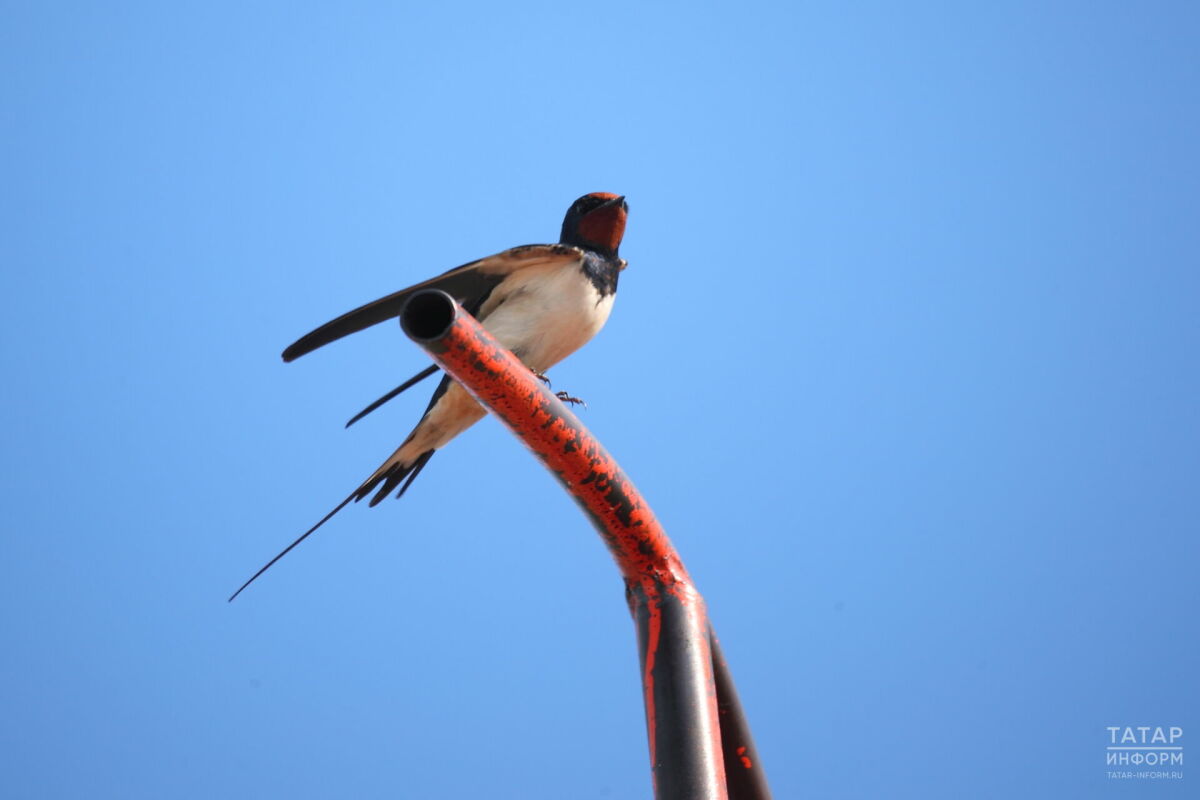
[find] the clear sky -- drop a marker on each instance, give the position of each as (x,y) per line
(905,359)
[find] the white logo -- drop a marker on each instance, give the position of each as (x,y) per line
(1144,751)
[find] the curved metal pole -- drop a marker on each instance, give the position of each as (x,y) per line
(674,637)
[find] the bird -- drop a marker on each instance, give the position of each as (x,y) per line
(541,301)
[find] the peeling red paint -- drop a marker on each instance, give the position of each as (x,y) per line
(653,571)
(630,529)
(653,633)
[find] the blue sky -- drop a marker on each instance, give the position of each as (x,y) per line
(905,360)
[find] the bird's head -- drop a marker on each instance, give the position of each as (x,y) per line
(596,221)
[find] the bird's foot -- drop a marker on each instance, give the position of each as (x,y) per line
(541,377)
(566,398)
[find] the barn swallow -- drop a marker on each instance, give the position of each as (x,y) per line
(541,301)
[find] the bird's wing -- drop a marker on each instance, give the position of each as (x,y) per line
(470,284)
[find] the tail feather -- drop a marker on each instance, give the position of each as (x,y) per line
(392,478)
(288,549)
(389,477)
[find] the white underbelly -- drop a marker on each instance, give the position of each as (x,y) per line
(550,317)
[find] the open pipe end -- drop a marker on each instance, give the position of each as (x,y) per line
(427,315)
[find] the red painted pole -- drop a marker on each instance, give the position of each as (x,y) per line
(684,705)
(744,774)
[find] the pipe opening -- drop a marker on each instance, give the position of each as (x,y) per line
(427,315)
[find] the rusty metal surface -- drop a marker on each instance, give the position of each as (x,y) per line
(682,699)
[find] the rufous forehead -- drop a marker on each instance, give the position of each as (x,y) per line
(604,195)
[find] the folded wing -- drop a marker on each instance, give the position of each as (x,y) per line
(470,284)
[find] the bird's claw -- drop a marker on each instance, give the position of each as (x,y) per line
(566,398)
(542,377)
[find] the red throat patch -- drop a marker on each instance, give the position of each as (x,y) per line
(604,226)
